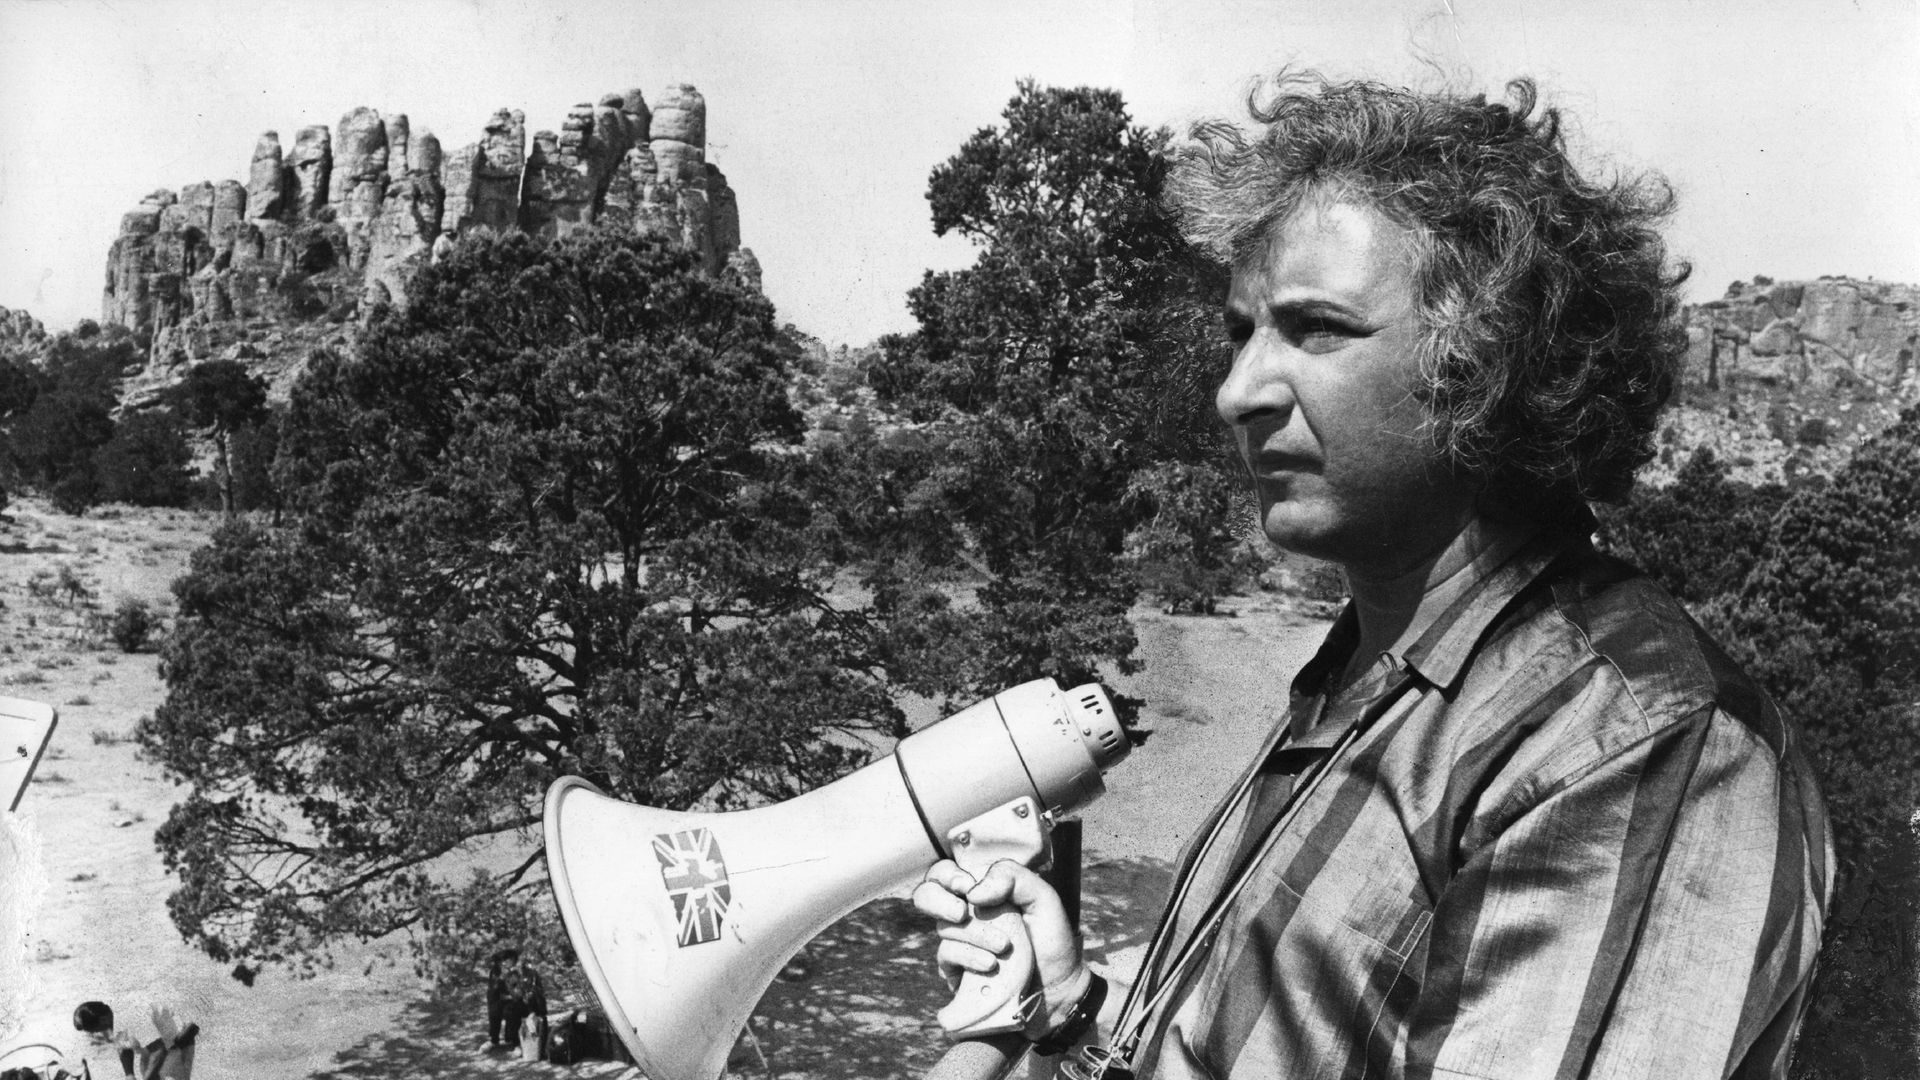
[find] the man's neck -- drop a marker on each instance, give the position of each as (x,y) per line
(1394,612)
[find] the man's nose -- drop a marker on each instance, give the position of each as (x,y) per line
(1256,387)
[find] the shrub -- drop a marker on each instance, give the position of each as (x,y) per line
(133,625)
(147,462)
(1186,552)
(1698,537)
(1814,431)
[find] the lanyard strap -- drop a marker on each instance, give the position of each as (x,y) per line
(1142,1001)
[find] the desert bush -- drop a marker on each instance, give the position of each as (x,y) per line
(1814,431)
(133,624)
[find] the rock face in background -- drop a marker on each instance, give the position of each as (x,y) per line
(267,269)
(21,332)
(1784,378)
(1834,333)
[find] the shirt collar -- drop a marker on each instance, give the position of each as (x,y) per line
(1440,654)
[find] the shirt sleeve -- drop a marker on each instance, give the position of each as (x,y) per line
(1655,915)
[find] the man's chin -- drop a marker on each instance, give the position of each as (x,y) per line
(1297,535)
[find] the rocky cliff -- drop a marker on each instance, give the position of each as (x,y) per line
(1785,378)
(1831,333)
(265,269)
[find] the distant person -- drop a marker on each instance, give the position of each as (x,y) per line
(497,994)
(1521,817)
(525,1012)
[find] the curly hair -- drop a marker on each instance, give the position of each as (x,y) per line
(1550,332)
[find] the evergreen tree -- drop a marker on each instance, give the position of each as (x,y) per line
(147,462)
(1067,358)
(221,397)
(550,520)
(58,411)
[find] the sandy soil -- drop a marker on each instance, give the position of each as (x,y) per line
(82,889)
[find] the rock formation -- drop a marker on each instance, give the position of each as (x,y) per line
(21,333)
(342,220)
(1833,333)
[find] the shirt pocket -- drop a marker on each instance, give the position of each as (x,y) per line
(1369,885)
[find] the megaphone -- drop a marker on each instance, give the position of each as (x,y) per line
(681,920)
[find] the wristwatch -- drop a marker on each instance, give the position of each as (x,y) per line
(1085,1012)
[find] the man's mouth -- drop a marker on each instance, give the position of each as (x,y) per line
(1266,463)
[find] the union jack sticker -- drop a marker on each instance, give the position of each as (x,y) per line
(696,879)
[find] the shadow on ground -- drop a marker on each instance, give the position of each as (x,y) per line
(445,1038)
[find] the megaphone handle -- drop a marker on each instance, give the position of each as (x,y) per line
(1000,1002)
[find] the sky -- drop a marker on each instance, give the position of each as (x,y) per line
(1790,128)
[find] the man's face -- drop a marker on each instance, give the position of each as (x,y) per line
(1321,397)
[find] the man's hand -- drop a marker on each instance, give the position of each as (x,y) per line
(977,946)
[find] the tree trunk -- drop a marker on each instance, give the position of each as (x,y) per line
(222,474)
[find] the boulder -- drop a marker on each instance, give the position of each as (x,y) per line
(679,163)
(229,212)
(312,167)
(459,181)
(1780,338)
(634,104)
(493,198)
(743,265)
(266,183)
(680,114)
(399,136)
(1829,310)
(423,157)
(622,194)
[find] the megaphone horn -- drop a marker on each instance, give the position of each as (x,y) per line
(681,920)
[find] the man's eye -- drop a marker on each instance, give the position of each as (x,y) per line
(1239,330)
(1322,335)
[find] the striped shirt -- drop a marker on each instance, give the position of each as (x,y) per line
(1571,839)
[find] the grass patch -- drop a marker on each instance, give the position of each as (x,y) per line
(54,778)
(103,737)
(79,701)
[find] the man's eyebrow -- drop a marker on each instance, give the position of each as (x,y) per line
(1314,305)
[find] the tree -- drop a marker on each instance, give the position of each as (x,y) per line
(58,411)
(1058,365)
(550,520)
(1187,551)
(147,462)
(1700,536)
(221,397)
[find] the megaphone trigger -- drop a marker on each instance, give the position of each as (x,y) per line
(1000,1002)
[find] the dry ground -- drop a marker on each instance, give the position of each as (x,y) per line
(82,890)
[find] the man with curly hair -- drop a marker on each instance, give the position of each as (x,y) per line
(1521,817)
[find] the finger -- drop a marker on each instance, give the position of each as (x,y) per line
(940,902)
(1008,882)
(947,874)
(958,955)
(979,933)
